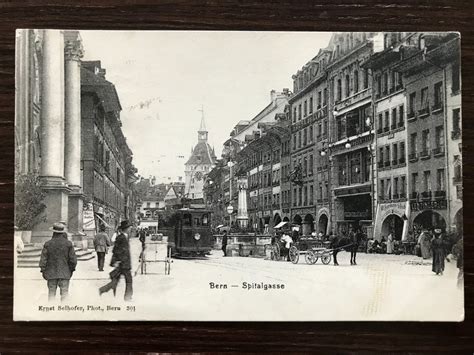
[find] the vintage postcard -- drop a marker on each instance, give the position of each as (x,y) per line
(238,176)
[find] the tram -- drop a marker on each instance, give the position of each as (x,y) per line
(189,231)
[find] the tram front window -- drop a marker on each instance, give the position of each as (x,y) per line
(187,220)
(205,220)
(197,221)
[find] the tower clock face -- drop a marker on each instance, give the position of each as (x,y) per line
(198,176)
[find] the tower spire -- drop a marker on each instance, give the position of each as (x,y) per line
(202,133)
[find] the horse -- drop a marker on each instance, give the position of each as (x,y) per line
(348,243)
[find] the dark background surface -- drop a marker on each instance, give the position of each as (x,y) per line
(342,15)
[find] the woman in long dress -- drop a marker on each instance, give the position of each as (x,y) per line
(390,244)
(424,242)
(439,253)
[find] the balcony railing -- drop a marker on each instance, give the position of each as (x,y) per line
(426,195)
(394,162)
(438,106)
(401,160)
(424,112)
(395,197)
(386,129)
(456,134)
(412,157)
(440,194)
(413,195)
(411,116)
(401,124)
(387,163)
(425,154)
(393,126)
(380,164)
(438,151)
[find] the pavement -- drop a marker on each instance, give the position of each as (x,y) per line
(380,287)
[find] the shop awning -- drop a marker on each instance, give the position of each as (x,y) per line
(281,224)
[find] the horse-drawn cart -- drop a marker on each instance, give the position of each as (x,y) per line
(156,251)
(312,249)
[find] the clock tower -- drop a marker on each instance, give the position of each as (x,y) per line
(200,162)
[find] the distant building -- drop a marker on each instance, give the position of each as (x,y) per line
(199,164)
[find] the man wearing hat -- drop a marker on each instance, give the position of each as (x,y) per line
(58,262)
(121,262)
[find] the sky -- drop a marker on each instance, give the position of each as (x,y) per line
(163,78)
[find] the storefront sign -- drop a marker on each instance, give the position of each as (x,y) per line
(397,206)
(353,190)
(429,205)
(357,214)
(88,220)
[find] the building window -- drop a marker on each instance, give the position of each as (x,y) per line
(319,99)
(300,198)
(380,127)
(455,79)
(438,95)
(305,166)
(325,128)
(387,155)
(311,195)
(414,183)
(305,196)
(381,157)
(299,139)
(356,81)
(401,116)
(395,154)
(456,123)
(385,83)
(382,189)
(424,99)
(311,104)
(387,121)
(366,78)
(294,115)
(348,85)
(394,118)
(440,182)
(294,142)
(425,142)
(439,139)
(299,112)
(392,81)
(413,145)
(305,108)
(389,188)
(403,187)
(295,196)
(339,90)
(379,85)
(325,96)
(118,175)
(311,133)
(427,181)
(310,172)
(402,153)
(305,137)
(395,188)
(412,104)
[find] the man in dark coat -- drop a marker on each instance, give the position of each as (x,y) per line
(121,261)
(224,243)
(101,245)
(58,262)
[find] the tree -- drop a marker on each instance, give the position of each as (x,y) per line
(29,197)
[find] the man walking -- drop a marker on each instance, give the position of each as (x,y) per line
(224,243)
(101,244)
(58,262)
(122,262)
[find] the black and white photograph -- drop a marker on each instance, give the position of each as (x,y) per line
(238,176)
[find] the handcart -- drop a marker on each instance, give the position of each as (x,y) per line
(156,251)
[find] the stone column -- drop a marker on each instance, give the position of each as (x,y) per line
(52,134)
(242,214)
(72,133)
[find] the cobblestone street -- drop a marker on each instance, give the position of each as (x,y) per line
(380,286)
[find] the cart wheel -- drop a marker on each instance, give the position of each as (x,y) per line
(294,254)
(276,252)
(326,258)
(311,257)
